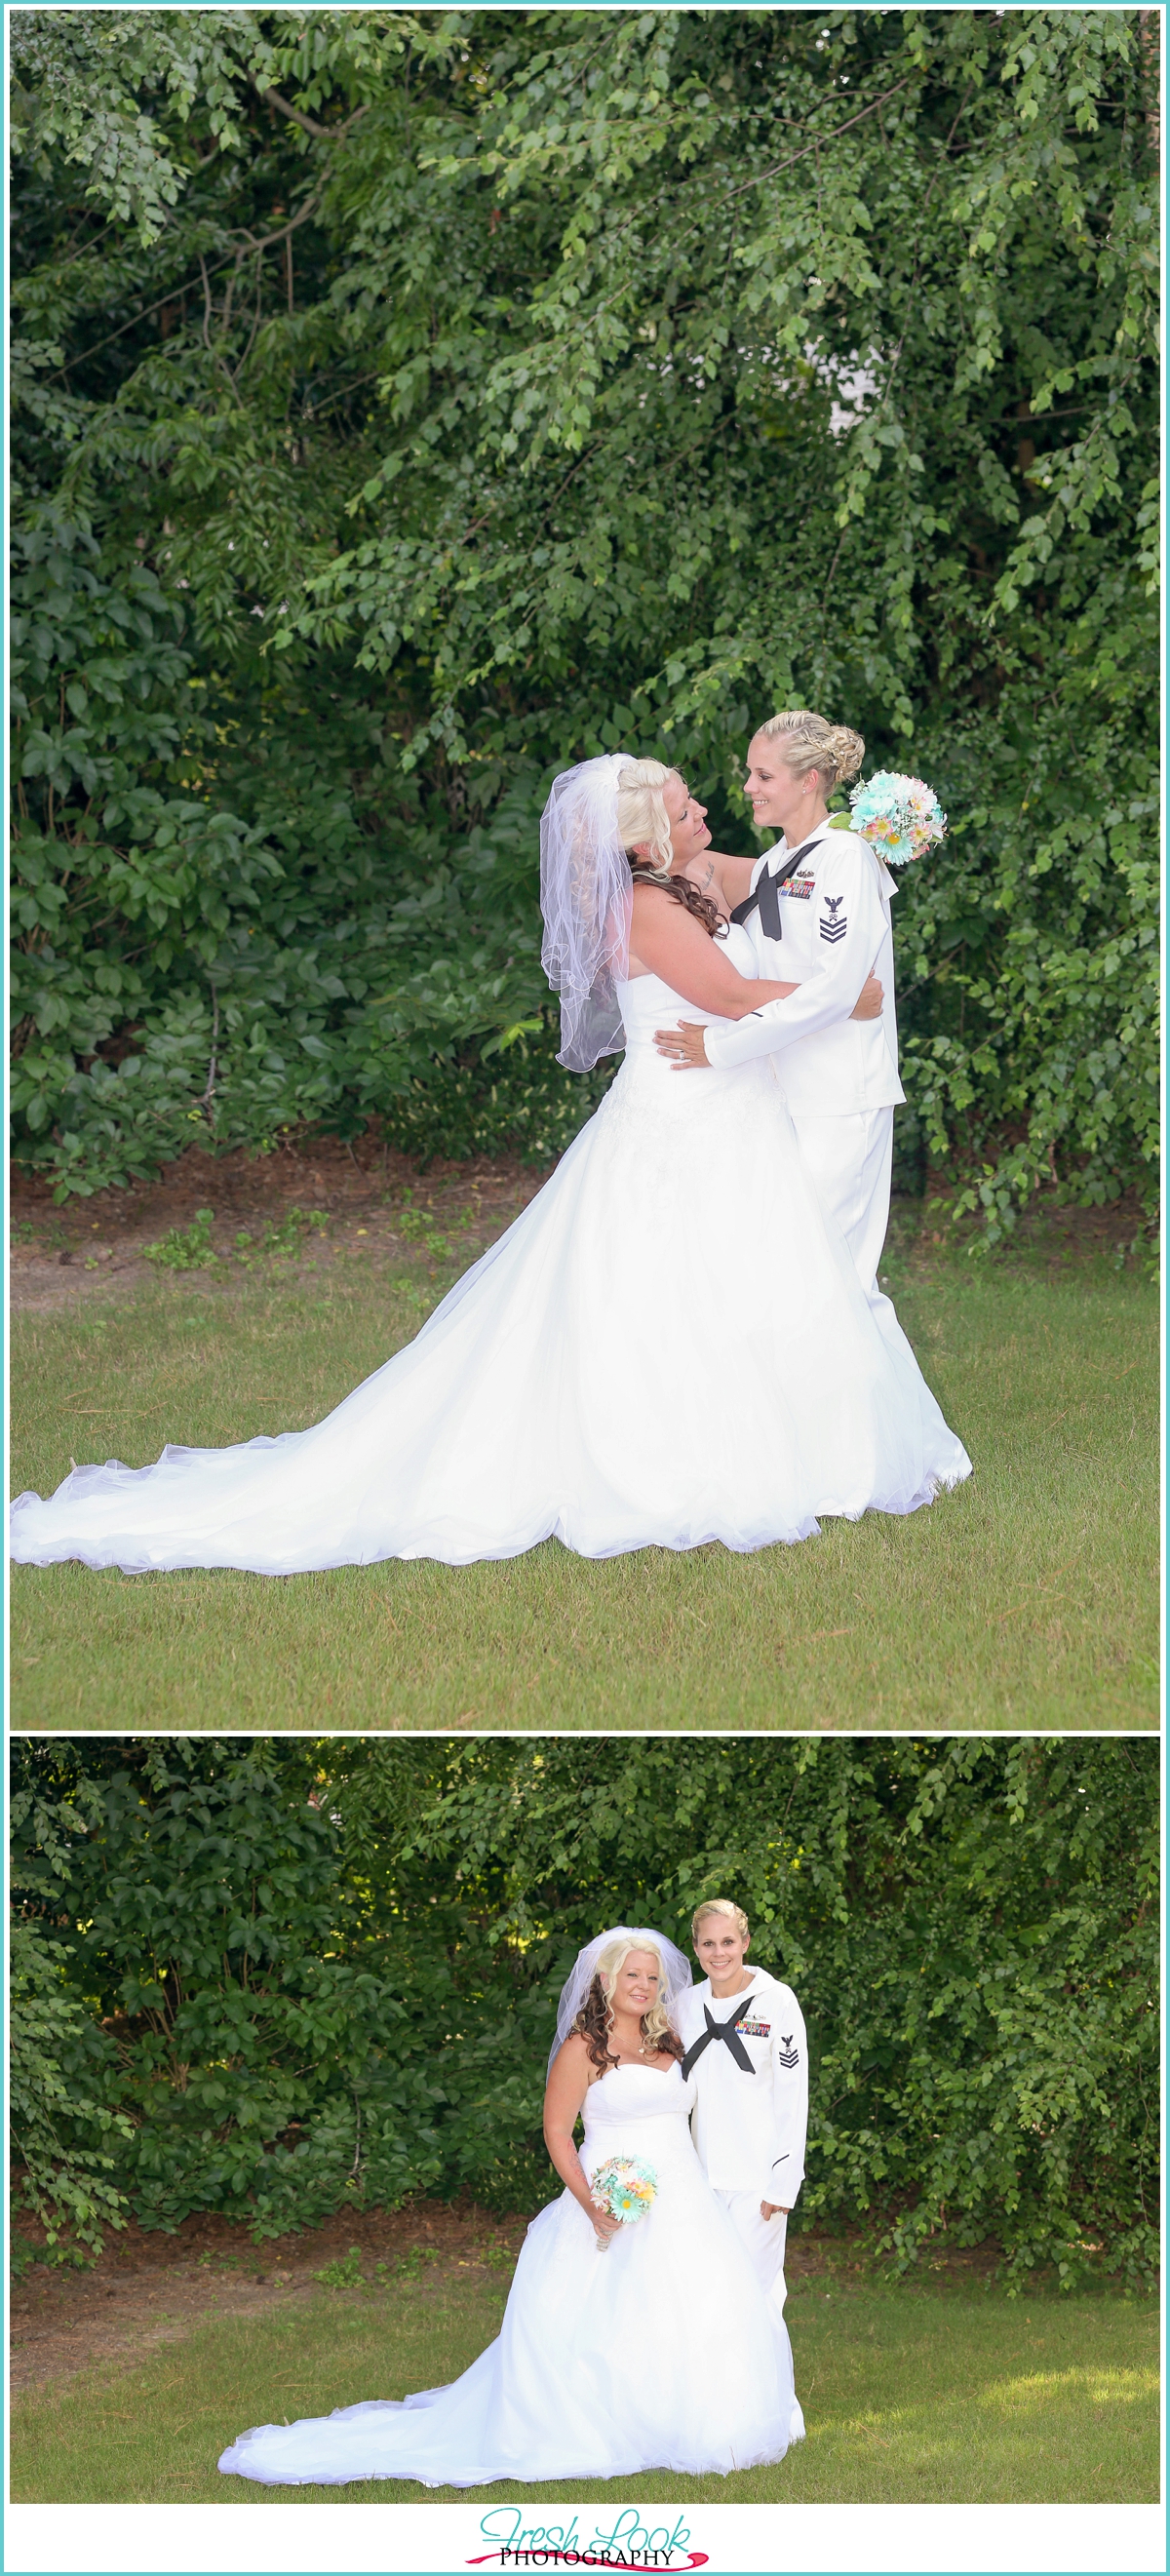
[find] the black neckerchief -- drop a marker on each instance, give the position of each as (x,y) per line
(767,893)
(727,2032)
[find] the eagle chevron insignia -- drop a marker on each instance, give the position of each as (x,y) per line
(787,2055)
(832,929)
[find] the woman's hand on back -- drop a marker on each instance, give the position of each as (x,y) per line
(868,1005)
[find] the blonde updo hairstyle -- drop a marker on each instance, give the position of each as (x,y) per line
(721,1905)
(804,741)
(595,2020)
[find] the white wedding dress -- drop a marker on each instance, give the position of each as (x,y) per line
(668,1346)
(660,2353)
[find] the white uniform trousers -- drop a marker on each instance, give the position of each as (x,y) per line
(850,1159)
(763,2241)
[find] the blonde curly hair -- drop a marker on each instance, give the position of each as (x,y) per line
(656,2031)
(806,741)
(642,818)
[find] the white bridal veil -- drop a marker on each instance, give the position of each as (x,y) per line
(585,895)
(676,1971)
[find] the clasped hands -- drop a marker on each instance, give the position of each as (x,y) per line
(684,1045)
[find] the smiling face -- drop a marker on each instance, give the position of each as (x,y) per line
(635,1987)
(720,1949)
(688,821)
(782,799)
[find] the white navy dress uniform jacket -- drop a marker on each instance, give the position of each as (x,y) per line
(835,924)
(749,2130)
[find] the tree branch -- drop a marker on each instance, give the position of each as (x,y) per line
(143,315)
(206,302)
(297,116)
(209,1094)
(826,139)
(302,215)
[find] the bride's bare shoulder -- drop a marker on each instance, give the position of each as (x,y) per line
(733,876)
(574,2057)
(569,2077)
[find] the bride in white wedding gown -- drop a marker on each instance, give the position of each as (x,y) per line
(659,2352)
(669,1346)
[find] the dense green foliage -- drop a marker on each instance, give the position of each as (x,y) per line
(316,1971)
(60,2137)
(410,402)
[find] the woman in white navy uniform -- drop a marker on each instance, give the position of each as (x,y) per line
(746,2048)
(666,2355)
(817,908)
(555,1391)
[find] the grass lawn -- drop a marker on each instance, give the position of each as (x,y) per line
(1029,1597)
(911,2395)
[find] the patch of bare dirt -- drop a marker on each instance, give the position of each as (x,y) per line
(148,2288)
(922,1228)
(374,1201)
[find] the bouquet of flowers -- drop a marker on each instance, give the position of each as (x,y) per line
(626,2189)
(900,816)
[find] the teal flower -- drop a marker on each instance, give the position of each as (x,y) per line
(901,817)
(626,2187)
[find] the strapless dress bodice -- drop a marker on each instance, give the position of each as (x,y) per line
(632,2101)
(603,2366)
(647,1003)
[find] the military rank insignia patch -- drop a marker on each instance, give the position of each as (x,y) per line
(786,2053)
(754,2029)
(831,928)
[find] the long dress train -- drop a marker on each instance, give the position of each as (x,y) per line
(670,1345)
(660,2353)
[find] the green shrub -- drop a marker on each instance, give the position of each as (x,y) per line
(185,1247)
(62,2139)
(311,1976)
(490,465)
